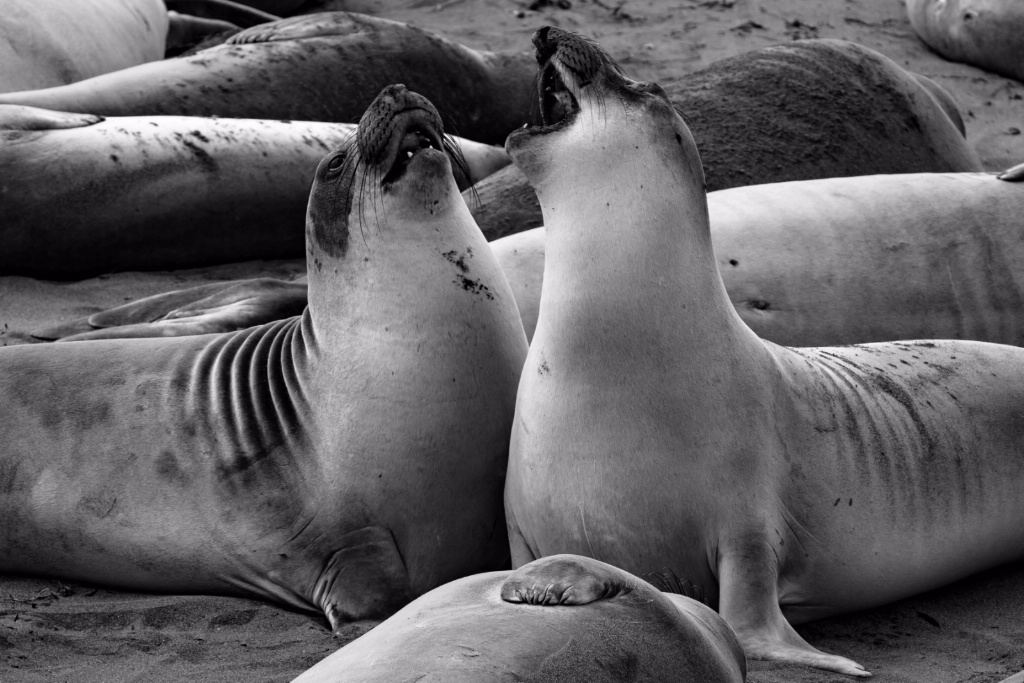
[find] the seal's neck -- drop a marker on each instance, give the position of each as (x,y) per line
(630,269)
(384,284)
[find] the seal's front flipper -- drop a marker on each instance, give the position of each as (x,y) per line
(1013,175)
(308,26)
(564,580)
(750,605)
(19,117)
(365,579)
(206,309)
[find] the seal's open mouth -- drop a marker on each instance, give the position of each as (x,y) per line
(418,133)
(557,103)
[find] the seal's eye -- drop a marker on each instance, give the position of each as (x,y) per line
(336,162)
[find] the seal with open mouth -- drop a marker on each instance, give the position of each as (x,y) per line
(321,67)
(654,431)
(559,619)
(343,461)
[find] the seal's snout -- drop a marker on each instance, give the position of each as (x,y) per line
(398,125)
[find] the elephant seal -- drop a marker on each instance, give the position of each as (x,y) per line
(559,619)
(269,71)
(830,108)
(655,431)
(985,33)
(82,196)
(47,43)
(805,263)
(343,461)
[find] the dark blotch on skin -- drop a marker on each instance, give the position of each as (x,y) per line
(459,261)
(330,209)
(168,469)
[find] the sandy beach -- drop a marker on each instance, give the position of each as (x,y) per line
(970,631)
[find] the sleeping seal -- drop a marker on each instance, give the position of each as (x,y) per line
(655,431)
(83,196)
(321,67)
(343,461)
(560,619)
(985,33)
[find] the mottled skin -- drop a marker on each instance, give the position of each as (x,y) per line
(655,431)
(986,33)
(323,67)
(48,43)
(343,461)
(562,619)
(82,196)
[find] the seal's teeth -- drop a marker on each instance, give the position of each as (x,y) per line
(408,155)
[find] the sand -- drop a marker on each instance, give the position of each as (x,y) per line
(969,631)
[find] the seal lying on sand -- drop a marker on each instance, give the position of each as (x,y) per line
(656,432)
(322,67)
(344,461)
(807,263)
(562,618)
(82,196)
(986,33)
(47,43)
(804,110)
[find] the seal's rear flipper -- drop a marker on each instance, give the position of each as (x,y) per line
(750,605)
(365,579)
(565,580)
(1013,175)
(19,117)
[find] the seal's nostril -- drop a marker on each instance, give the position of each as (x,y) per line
(540,38)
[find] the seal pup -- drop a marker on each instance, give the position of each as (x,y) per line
(83,196)
(343,461)
(833,109)
(988,34)
(805,263)
(47,43)
(269,72)
(558,619)
(655,431)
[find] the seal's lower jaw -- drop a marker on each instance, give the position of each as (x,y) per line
(428,171)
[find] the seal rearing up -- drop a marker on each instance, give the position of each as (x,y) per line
(656,432)
(345,460)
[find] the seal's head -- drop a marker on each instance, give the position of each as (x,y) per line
(398,166)
(596,122)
